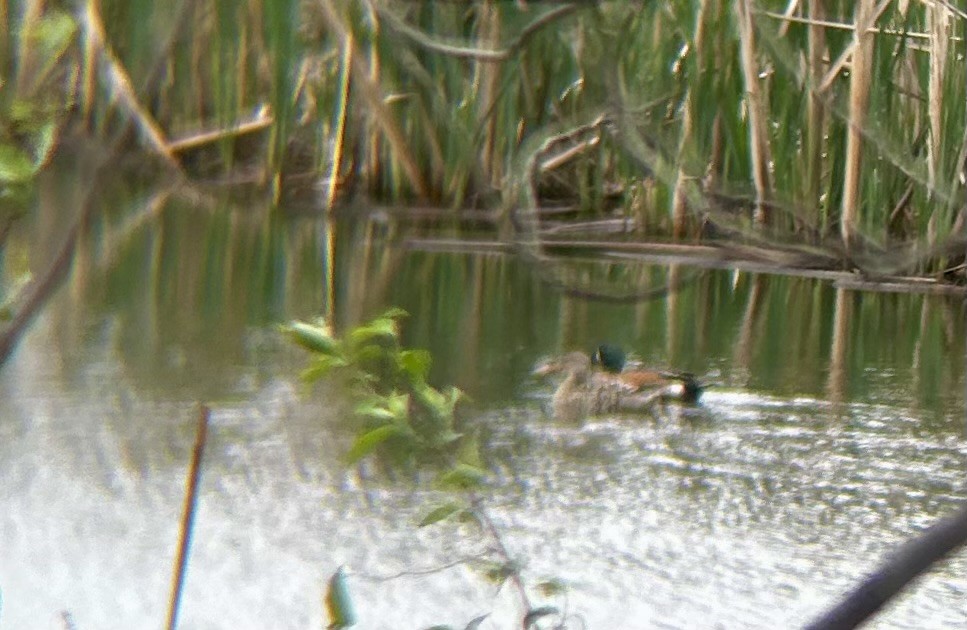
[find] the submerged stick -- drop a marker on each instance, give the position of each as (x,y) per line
(188,517)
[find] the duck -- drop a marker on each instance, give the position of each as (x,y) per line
(586,392)
(680,386)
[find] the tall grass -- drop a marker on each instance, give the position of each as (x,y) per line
(806,121)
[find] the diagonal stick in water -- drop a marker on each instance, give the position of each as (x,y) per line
(188,517)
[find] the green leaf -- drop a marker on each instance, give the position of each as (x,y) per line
(440,513)
(379,328)
(445,438)
(394,312)
(52,34)
(367,442)
(15,165)
(321,366)
(498,573)
(469,451)
(394,407)
(463,477)
(399,405)
(453,396)
(45,142)
(369,356)
(338,604)
(439,403)
(375,411)
(314,338)
(415,363)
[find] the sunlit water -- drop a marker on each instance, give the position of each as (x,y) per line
(747,512)
(757,509)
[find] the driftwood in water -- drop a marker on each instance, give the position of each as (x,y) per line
(912,559)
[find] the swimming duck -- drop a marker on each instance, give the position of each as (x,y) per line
(586,392)
(681,386)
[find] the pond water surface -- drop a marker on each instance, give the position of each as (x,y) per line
(833,431)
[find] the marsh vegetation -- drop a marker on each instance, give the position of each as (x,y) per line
(760,192)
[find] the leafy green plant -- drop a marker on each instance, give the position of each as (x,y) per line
(406,420)
(401,414)
(31,109)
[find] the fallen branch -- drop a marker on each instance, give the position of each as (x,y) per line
(261,120)
(912,559)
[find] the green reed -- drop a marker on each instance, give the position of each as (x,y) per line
(729,111)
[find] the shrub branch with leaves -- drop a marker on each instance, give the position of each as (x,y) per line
(407,421)
(402,414)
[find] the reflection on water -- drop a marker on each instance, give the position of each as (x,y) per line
(835,431)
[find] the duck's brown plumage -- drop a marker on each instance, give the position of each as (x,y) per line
(586,392)
(679,386)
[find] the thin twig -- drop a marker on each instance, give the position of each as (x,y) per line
(476,53)
(420,572)
(188,517)
(846,26)
(491,529)
(862,27)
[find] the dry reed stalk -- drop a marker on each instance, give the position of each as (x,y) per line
(330,270)
(88,81)
(938,24)
(815,110)
(502,54)
(849,51)
(758,131)
(686,140)
(4,38)
(487,77)
(340,134)
(32,14)
(120,84)
(374,154)
(791,7)
(859,98)
(559,159)
(435,158)
(680,194)
(261,120)
(370,90)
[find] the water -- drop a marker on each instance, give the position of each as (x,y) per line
(815,453)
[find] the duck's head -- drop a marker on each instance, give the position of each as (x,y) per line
(572,363)
(610,357)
